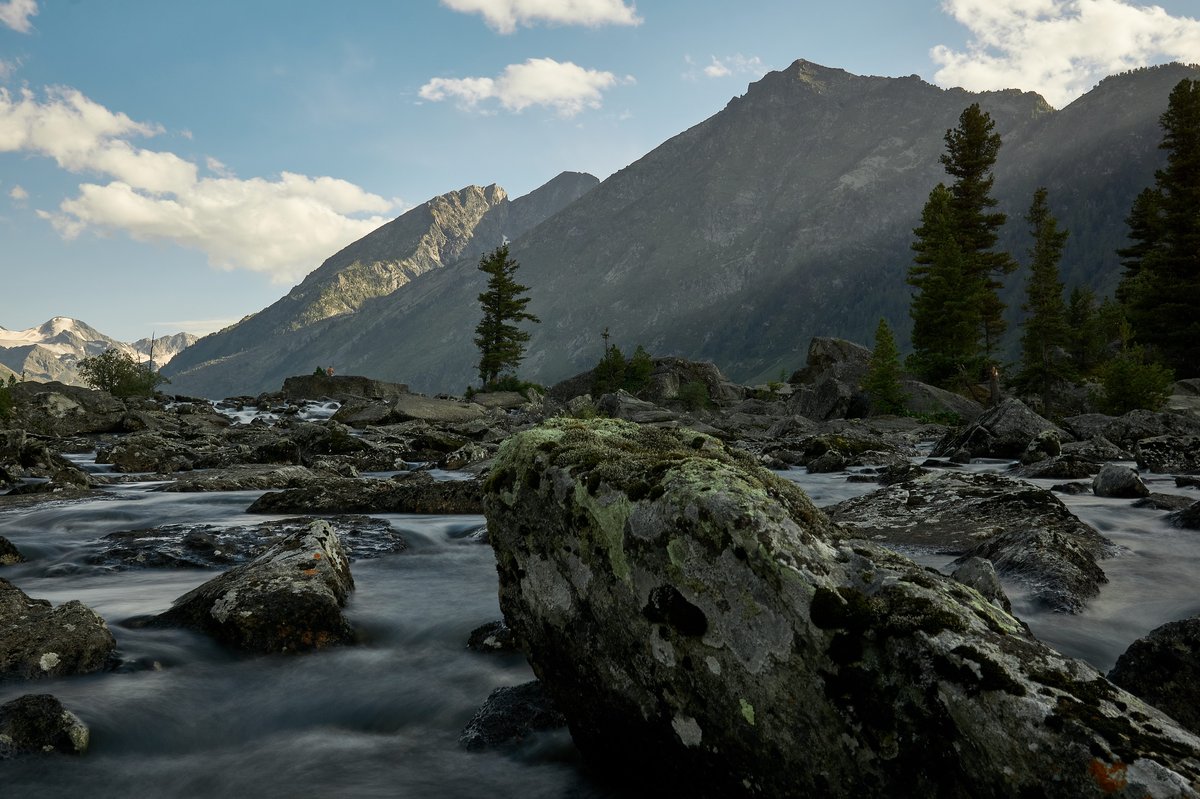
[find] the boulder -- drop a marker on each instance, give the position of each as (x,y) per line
(672,373)
(39,724)
(1125,431)
(409,492)
(834,358)
(1188,518)
(246,478)
(342,388)
(9,554)
(1120,482)
(495,636)
(925,400)
(288,599)
(37,640)
(980,574)
(1169,502)
(703,631)
(1004,431)
(58,410)
(828,398)
(1044,445)
(511,715)
(1099,450)
(1060,467)
(623,405)
(1169,454)
(148,452)
(1026,532)
(1163,669)
(22,455)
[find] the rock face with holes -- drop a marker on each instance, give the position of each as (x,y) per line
(288,599)
(699,625)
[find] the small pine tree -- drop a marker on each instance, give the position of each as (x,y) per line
(882,382)
(638,371)
(1045,328)
(501,343)
(1132,381)
(609,374)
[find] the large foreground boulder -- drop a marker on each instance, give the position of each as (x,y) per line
(703,631)
(1004,431)
(289,599)
(39,724)
(38,640)
(1163,668)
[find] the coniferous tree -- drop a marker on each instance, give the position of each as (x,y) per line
(609,374)
(882,382)
(1161,285)
(1045,328)
(501,343)
(971,150)
(945,308)
(638,371)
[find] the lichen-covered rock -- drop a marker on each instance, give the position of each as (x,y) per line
(1098,450)
(511,715)
(1119,482)
(37,640)
(1026,532)
(1163,669)
(1169,454)
(1046,444)
(1004,431)
(9,554)
(704,632)
(58,410)
(495,636)
(980,574)
(148,452)
(39,724)
(288,599)
(414,492)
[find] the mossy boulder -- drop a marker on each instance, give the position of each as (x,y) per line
(703,630)
(38,640)
(39,724)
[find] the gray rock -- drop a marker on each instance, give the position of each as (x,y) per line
(340,387)
(1026,532)
(289,599)
(39,724)
(1059,467)
(1188,518)
(623,405)
(511,715)
(1072,489)
(1171,502)
(495,636)
(703,631)
(1046,444)
(58,410)
(672,373)
(1098,450)
(1125,431)
(1004,431)
(1117,481)
(37,640)
(148,452)
(246,478)
(1169,454)
(834,358)
(9,554)
(980,574)
(1163,669)
(922,398)
(467,455)
(828,398)
(411,492)
(1186,481)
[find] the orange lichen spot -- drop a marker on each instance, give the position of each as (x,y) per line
(310,572)
(316,556)
(1110,779)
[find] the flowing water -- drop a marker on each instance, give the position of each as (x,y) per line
(184,718)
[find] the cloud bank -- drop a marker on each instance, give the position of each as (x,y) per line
(1060,48)
(565,87)
(15,14)
(505,15)
(282,227)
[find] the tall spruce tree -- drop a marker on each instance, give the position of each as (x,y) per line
(971,150)
(1161,285)
(501,343)
(1045,327)
(882,382)
(945,308)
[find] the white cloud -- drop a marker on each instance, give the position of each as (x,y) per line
(735,65)
(282,227)
(565,87)
(18,194)
(1060,48)
(16,13)
(505,15)
(8,68)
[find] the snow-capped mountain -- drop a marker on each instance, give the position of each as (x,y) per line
(52,351)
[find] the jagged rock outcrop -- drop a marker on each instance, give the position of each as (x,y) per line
(1003,431)
(1163,669)
(1026,532)
(38,640)
(702,630)
(1169,454)
(39,724)
(288,599)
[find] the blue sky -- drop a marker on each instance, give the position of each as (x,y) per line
(177,165)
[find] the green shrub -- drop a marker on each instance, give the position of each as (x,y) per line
(511,382)
(120,375)
(609,374)
(1131,382)
(638,371)
(694,396)
(6,400)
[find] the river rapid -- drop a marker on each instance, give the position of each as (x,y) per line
(182,717)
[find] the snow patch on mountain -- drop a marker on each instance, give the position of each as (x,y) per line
(53,350)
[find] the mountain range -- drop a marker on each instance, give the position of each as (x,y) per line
(52,351)
(787,214)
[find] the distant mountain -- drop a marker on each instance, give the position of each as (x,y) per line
(52,351)
(460,224)
(787,214)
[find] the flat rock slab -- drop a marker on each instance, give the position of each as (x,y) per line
(38,640)
(289,599)
(39,724)
(1025,531)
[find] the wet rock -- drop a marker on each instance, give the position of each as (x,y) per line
(1187,481)
(1188,518)
(1163,669)
(1059,467)
(704,632)
(23,455)
(1156,501)
(1072,489)
(827,399)
(246,478)
(1125,431)
(39,724)
(412,492)
(1120,482)
(1004,431)
(511,715)
(831,461)
(495,636)
(980,574)
(1098,450)
(1045,445)
(288,599)
(1027,533)
(148,452)
(37,640)
(467,455)
(670,374)
(1169,454)
(9,554)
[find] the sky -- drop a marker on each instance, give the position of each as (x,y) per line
(178,165)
